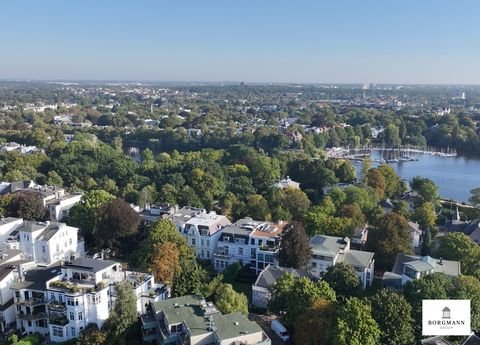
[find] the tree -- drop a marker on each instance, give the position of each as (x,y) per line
(257,207)
(392,312)
(458,246)
(343,279)
(425,215)
(54,179)
(165,262)
(426,189)
(393,183)
(391,236)
(289,203)
(295,248)
(346,172)
(355,324)
(28,206)
(292,296)
(314,326)
(366,166)
(86,213)
(92,336)
(188,280)
(229,301)
(354,213)
(426,243)
(117,222)
(401,207)
(376,180)
(431,286)
(475,197)
(468,287)
(124,312)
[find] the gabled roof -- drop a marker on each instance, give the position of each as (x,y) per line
(435,341)
(270,274)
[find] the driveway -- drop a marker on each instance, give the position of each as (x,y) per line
(264,322)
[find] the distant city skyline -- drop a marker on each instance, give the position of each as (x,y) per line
(324,42)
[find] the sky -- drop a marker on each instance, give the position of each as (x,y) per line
(339,41)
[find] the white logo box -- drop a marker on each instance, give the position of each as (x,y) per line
(445,317)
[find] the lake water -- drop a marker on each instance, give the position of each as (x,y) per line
(455,176)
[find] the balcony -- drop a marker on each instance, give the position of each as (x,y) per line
(32,302)
(31,317)
(58,320)
(57,306)
(222,254)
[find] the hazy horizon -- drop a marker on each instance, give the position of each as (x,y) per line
(309,42)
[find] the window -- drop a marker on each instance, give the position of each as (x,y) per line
(260,242)
(70,241)
(202,243)
(253,252)
(58,247)
(314,264)
(202,255)
(80,316)
(43,249)
(193,241)
(72,316)
(57,331)
(260,257)
(208,243)
(240,251)
(252,241)
(208,254)
(72,331)
(269,258)
(52,295)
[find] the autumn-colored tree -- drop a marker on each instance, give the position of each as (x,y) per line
(376,180)
(315,325)
(165,262)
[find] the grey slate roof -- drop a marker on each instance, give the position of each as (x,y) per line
(326,245)
(88,264)
(435,341)
(421,264)
(270,274)
(356,258)
(31,226)
(37,278)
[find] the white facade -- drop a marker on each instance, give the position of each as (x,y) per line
(59,208)
(45,242)
(328,251)
(7,225)
(203,231)
(62,300)
(248,242)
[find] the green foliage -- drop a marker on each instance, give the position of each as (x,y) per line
(28,340)
(391,236)
(85,214)
(425,215)
(124,312)
(475,197)
(427,242)
(355,324)
(314,326)
(393,185)
(392,313)
(295,248)
(343,279)
(229,301)
(426,189)
(458,246)
(292,296)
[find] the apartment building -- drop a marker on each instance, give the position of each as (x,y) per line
(328,251)
(248,241)
(59,208)
(61,300)
(203,231)
(191,320)
(46,242)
